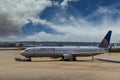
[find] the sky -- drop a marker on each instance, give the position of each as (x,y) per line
(59,20)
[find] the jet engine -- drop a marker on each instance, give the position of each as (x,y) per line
(67,57)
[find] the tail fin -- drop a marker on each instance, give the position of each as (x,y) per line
(106,40)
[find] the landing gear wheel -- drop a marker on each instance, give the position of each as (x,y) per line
(74,59)
(62,59)
(28,59)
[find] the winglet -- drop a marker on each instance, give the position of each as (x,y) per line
(106,40)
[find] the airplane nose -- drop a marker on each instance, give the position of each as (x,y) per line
(22,53)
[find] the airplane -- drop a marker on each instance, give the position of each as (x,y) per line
(67,52)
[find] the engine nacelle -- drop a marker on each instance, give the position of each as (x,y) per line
(67,56)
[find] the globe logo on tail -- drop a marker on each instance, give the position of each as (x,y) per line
(105,43)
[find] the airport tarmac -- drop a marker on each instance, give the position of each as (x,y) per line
(53,69)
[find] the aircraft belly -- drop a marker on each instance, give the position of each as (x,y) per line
(90,53)
(86,54)
(45,54)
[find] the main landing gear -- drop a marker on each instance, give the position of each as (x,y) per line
(72,59)
(93,58)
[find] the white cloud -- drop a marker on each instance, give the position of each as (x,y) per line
(10,38)
(107,10)
(42,36)
(15,13)
(64,3)
(78,30)
(102,12)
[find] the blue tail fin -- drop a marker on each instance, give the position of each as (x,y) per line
(106,40)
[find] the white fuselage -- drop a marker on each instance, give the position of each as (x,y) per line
(56,52)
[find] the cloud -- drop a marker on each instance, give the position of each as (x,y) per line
(15,13)
(64,3)
(72,28)
(107,10)
(42,36)
(77,29)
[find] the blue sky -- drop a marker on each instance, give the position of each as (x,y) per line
(60,20)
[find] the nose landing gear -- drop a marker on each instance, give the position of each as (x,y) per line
(20,59)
